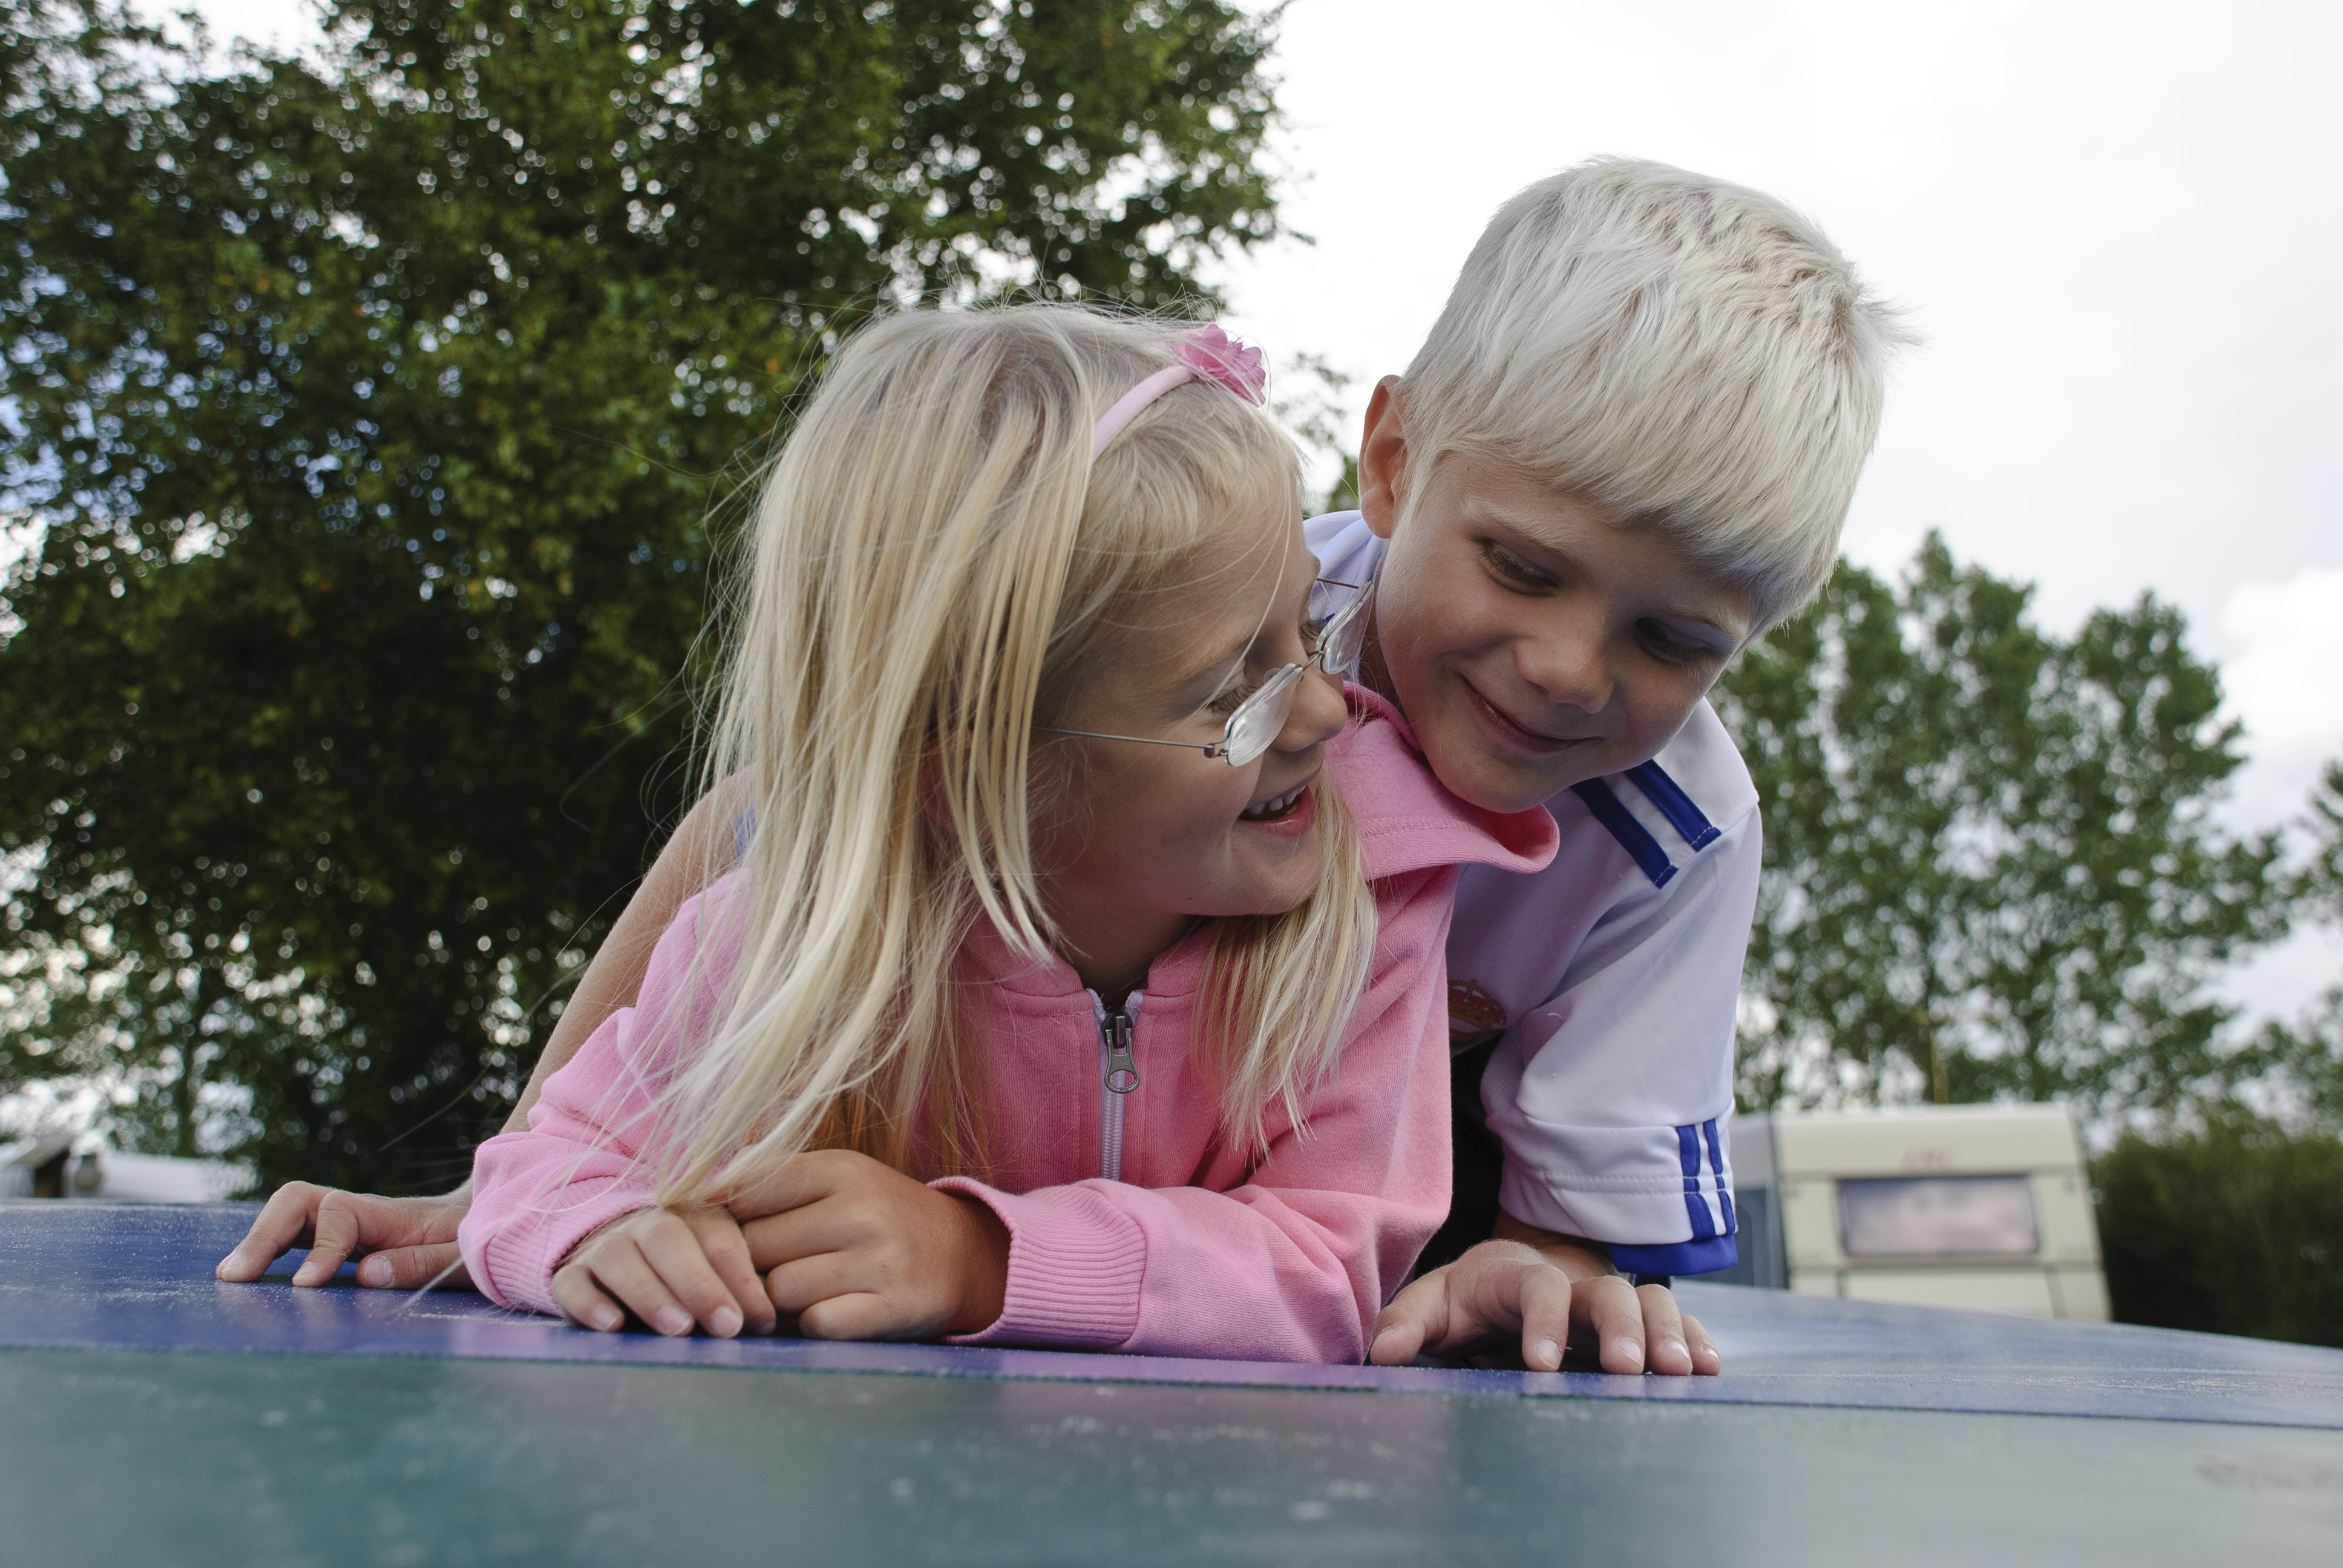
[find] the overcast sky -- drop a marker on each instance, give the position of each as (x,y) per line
(2110,223)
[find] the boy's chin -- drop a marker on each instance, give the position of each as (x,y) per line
(1470,768)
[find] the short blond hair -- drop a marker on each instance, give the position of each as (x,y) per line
(1688,354)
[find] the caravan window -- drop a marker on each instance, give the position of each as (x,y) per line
(1937,1216)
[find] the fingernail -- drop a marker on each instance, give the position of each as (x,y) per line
(606,1319)
(1549,1354)
(1673,1348)
(1635,1349)
(375,1272)
(674,1321)
(725,1323)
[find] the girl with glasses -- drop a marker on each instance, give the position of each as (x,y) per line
(1079,982)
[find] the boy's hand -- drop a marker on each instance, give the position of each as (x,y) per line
(404,1243)
(858,1251)
(1553,1294)
(671,1268)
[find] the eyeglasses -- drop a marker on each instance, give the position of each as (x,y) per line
(1336,629)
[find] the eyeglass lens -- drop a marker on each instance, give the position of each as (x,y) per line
(1338,628)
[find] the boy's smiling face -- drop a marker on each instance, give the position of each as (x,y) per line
(1532,640)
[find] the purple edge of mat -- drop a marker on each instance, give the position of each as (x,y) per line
(159,1300)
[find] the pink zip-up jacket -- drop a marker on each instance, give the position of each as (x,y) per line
(1134,1225)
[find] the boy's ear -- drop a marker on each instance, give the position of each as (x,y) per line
(1383,457)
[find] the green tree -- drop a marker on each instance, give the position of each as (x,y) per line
(1991,866)
(2299,1063)
(2234,1228)
(377,413)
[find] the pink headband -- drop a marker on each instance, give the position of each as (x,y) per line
(1207,354)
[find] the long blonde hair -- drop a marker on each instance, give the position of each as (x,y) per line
(935,554)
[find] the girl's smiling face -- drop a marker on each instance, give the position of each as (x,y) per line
(1139,842)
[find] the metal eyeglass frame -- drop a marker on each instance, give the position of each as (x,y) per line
(1261,718)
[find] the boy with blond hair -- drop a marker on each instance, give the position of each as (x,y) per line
(1626,449)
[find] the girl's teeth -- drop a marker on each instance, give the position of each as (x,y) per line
(1276,808)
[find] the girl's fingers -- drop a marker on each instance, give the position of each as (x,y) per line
(416,1268)
(619,1267)
(779,1239)
(798,1180)
(856,1315)
(1664,1331)
(798,1285)
(581,1303)
(1608,1306)
(283,1223)
(720,1243)
(1706,1359)
(673,1252)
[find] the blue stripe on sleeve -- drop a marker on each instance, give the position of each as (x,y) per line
(1631,834)
(1676,1257)
(1674,805)
(1716,1163)
(1695,1202)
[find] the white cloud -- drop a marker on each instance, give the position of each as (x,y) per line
(2285,680)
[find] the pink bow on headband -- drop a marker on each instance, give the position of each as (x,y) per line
(1207,354)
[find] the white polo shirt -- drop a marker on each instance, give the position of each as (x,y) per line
(1615,974)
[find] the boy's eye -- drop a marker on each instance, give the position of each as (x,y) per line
(1512,569)
(1667,646)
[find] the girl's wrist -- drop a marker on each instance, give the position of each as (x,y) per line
(983,1270)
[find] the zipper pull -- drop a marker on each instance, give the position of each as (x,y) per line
(1121,1075)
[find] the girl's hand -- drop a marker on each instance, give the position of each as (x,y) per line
(670,1268)
(1554,1294)
(404,1243)
(858,1251)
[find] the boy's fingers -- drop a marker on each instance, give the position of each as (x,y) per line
(440,1267)
(282,1224)
(1664,1331)
(1542,1296)
(581,1303)
(673,1251)
(1609,1307)
(1707,1361)
(728,1253)
(1416,1319)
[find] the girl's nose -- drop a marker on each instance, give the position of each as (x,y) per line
(1318,714)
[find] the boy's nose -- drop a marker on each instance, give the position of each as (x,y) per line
(1568,668)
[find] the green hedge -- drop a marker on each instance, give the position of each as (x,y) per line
(2235,1230)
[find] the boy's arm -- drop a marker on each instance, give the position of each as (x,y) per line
(408,1243)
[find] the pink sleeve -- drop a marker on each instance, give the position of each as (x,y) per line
(536,1194)
(1294,1263)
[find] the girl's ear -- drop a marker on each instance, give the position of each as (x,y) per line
(1383,457)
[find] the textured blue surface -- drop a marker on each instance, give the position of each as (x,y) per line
(94,1276)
